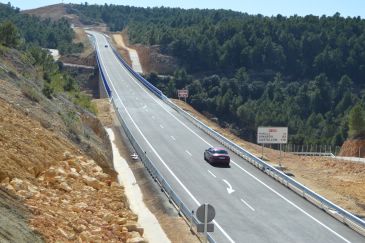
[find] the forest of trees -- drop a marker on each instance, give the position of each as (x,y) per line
(30,35)
(44,33)
(306,73)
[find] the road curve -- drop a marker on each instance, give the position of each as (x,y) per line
(250,206)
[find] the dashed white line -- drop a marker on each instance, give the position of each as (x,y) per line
(161,126)
(254,177)
(188,153)
(214,221)
(172,137)
(163,162)
(248,205)
(212,174)
(153,117)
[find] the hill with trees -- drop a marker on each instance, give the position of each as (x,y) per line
(306,73)
(44,33)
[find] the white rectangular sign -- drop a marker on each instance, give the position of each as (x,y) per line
(183,93)
(272,135)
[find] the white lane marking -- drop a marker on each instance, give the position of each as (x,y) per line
(153,117)
(161,126)
(215,222)
(229,188)
(172,137)
(188,152)
(144,107)
(163,162)
(281,196)
(293,204)
(248,205)
(212,174)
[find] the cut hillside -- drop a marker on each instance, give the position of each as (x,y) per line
(67,196)
(57,181)
(353,148)
(54,12)
(342,182)
(151,58)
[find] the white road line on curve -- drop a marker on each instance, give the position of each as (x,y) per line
(248,205)
(281,196)
(163,162)
(332,231)
(212,174)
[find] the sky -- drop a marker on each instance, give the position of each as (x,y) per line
(352,8)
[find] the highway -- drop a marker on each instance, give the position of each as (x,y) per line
(250,206)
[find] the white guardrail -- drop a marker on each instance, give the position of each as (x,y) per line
(337,212)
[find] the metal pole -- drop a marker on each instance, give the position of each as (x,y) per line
(191,221)
(280,157)
(359,153)
(262,151)
(206,222)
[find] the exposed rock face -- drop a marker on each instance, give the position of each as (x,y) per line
(353,148)
(74,200)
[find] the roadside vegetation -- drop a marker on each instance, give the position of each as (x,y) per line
(250,70)
(31,39)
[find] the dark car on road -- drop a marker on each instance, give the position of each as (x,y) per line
(218,156)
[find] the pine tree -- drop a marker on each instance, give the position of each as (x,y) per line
(357,122)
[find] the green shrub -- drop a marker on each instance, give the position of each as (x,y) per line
(30,92)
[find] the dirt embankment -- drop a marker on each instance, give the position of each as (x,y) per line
(353,148)
(67,195)
(150,57)
(340,181)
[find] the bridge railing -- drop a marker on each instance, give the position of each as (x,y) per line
(332,209)
(173,198)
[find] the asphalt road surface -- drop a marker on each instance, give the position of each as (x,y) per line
(250,206)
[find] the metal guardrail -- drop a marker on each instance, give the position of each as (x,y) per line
(332,209)
(183,210)
(313,154)
(337,212)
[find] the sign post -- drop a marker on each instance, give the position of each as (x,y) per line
(272,135)
(183,93)
(205,214)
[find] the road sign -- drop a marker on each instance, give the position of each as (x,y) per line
(205,213)
(182,93)
(272,135)
(200,213)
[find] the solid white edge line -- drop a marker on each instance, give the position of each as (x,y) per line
(284,198)
(248,205)
(159,157)
(281,196)
(293,204)
(212,174)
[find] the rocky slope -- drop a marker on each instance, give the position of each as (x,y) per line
(56,173)
(353,148)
